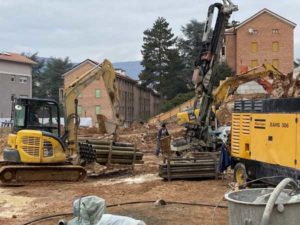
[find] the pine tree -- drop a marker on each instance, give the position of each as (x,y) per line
(158,42)
(53,80)
(190,44)
(174,81)
(37,70)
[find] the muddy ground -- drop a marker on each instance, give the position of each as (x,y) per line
(19,205)
(22,204)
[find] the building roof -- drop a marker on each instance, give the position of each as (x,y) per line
(269,12)
(14,57)
(79,64)
(118,75)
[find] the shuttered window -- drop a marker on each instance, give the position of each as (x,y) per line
(98,109)
(254,47)
(79,110)
(275,46)
(98,93)
(254,63)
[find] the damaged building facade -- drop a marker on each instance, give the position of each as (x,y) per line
(136,103)
(265,37)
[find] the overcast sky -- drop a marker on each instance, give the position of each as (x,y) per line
(112,29)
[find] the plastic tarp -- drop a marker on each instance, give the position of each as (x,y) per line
(90,210)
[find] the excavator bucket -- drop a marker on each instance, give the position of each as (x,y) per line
(106,126)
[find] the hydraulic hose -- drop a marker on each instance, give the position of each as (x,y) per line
(271,202)
(130,203)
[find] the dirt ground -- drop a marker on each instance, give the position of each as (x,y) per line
(19,205)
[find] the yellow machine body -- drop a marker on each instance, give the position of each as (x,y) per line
(266,139)
(269,138)
(34,147)
(188,117)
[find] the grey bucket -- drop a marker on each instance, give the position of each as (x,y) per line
(244,209)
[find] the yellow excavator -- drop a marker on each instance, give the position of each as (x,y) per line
(36,149)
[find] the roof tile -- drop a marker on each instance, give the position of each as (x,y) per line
(14,57)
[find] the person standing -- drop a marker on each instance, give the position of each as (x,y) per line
(162,132)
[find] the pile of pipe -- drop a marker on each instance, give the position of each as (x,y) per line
(204,165)
(108,152)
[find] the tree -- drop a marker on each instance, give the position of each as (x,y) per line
(190,44)
(174,81)
(220,72)
(37,70)
(158,42)
(177,100)
(52,76)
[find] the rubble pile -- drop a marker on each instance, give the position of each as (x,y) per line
(144,134)
(3,138)
(276,87)
(223,114)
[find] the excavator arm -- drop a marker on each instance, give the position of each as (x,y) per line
(103,71)
(232,83)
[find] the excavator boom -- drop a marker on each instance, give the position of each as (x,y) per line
(103,71)
(233,82)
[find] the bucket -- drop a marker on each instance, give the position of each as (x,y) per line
(265,206)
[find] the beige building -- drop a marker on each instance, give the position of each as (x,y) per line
(136,103)
(265,37)
(15,80)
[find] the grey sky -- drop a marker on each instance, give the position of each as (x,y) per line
(110,29)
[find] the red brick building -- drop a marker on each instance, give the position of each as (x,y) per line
(266,37)
(136,103)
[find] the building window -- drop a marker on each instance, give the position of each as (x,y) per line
(23,80)
(13,78)
(98,109)
(275,31)
(254,63)
(275,46)
(79,110)
(98,93)
(275,63)
(252,31)
(223,52)
(254,47)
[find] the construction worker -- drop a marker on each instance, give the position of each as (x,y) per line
(162,132)
(33,116)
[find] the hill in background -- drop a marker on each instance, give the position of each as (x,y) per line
(132,68)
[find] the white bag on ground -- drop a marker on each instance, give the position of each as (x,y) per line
(108,219)
(90,210)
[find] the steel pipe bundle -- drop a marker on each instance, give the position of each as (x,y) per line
(108,152)
(203,165)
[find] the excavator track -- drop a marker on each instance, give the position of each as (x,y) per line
(22,174)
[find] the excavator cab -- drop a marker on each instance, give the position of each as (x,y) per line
(35,136)
(36,114)
(35,151)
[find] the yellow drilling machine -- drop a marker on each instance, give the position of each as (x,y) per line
(265,140)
